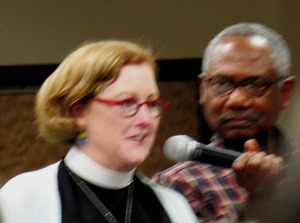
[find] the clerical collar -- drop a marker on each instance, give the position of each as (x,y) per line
(89,170)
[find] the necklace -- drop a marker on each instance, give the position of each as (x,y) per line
(97,202)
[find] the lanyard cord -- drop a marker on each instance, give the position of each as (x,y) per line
(97,202)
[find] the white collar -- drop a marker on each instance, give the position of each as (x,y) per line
(89,170)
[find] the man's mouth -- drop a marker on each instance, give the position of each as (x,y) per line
(238,122)
(232,120)
(242,119)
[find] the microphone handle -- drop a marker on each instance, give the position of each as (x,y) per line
(216,156)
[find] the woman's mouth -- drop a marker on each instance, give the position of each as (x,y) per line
(137,138)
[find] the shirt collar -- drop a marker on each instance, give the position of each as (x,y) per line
(216,141)
(91,171)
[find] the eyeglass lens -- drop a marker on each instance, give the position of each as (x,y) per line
(252,86)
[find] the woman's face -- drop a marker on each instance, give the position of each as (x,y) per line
(114,141)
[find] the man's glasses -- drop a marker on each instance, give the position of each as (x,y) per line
(252,86)
(129,107)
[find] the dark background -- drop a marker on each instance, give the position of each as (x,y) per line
(22,150)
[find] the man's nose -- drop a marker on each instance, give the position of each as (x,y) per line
(239,98)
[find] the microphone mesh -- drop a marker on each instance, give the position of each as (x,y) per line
(177,148)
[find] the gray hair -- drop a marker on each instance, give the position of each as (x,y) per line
(280,54)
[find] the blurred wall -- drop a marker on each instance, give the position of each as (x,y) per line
(43,32)
(22,150)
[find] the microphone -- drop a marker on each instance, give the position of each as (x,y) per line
(183,148)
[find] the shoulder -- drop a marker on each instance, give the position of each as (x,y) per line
(192,177)
(183,171)
(30,182)
(174,203)
(159,190)
(32,197)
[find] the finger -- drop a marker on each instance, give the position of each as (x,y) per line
(278,162)
(267,171)
(239,167)
(251,145)
(256,160)
(267,168)
(241,161)
(249,176)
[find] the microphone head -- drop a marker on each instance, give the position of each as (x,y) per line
(179,148)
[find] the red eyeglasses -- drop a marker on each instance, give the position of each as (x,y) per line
(129,107)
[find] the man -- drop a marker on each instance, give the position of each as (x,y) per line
(244,85)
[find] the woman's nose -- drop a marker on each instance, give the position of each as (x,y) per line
(144,114)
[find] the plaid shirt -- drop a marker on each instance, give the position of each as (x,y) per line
(212,191)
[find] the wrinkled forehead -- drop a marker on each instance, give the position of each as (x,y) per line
(241,54)
(242,43)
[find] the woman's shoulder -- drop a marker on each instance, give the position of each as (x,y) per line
(31,181)
(31,197)
(174,203)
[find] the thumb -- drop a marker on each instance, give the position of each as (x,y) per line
(251,145)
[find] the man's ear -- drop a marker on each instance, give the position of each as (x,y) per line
(202,92)
(286,91)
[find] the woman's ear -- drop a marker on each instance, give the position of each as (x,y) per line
(78,113)
(286,91)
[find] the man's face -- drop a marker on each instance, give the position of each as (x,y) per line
(242,114)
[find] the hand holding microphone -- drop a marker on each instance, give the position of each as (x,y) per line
(182,148)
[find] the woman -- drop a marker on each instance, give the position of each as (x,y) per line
(104,102)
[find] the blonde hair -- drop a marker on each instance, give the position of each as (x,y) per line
(77,78)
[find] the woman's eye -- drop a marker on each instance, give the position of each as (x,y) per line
(128,102)
(155,103)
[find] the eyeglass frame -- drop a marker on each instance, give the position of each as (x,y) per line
(234,85)
(165,105)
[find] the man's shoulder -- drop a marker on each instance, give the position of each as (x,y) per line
(190,171)
(183,166)
(183,169)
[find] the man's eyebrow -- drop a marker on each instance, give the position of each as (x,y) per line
(221,75)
